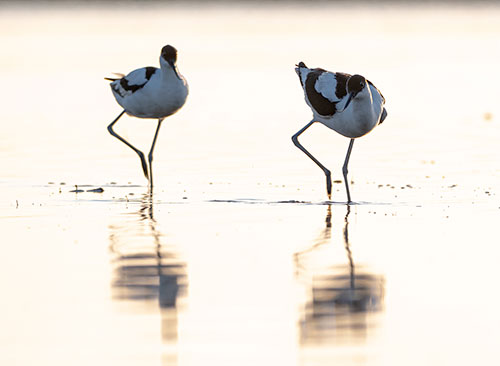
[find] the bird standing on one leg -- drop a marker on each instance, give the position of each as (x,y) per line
(150,92)
(349,105)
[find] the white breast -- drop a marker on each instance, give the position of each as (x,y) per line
(361,116)
(161,96)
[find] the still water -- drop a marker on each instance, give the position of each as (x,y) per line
(238,258)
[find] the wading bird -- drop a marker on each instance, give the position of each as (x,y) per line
(150,92)
(348,104)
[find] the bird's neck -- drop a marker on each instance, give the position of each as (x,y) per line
(167,71)
(364,93)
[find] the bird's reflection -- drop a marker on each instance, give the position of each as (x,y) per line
(342,298)
(146,269)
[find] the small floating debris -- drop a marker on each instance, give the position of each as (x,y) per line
(76,190)
(96,190)
(452,186)
(337,181)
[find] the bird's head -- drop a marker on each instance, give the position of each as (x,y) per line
(169,55)
(355,84)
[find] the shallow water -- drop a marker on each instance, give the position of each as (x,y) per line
(238,258)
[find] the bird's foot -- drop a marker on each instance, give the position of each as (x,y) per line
(144,164)
(328,183)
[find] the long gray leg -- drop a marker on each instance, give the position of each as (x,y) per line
(138,152)
(344,170)
(150,156)
(295,139)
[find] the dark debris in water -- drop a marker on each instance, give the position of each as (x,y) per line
(96,190)
(294,201)
(93,190)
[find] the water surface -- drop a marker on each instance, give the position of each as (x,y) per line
(238,258)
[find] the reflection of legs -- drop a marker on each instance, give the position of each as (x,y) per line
(146,210)
(326,171)
(347,247)
(150,156)
(327,232)
(344,170)
(138,152)
(328,219)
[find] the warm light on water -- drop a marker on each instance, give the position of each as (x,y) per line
(238,260)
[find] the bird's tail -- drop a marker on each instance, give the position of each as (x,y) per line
(298,69)
(301,65)
(120,76)
(383,115)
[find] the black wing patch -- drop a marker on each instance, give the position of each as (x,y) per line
(341,89)
(322,105)
(150,70)
(125,87)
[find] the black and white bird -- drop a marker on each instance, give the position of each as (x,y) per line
(150,92)
(348,104)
